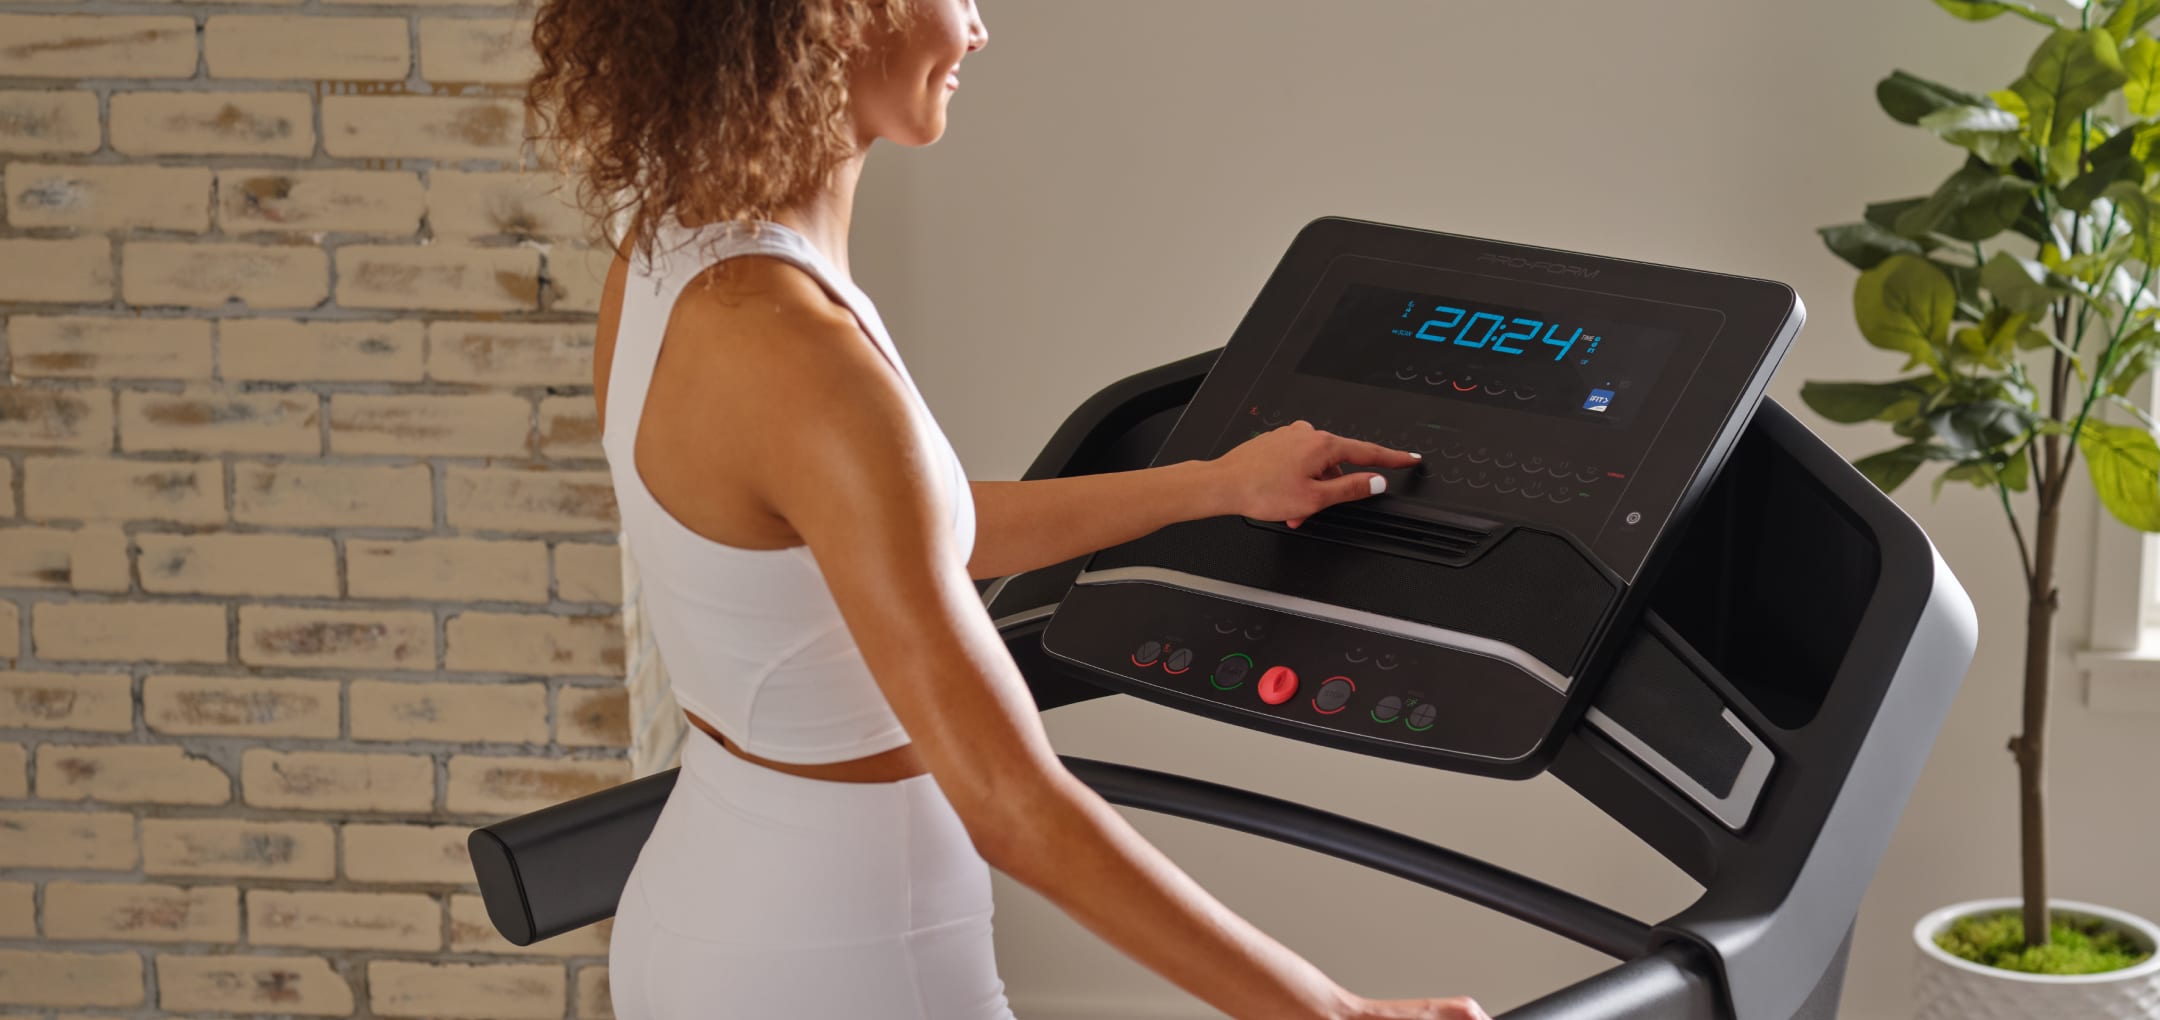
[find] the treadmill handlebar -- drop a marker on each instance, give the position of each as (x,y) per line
(1671,983)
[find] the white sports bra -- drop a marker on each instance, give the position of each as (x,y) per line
(750,638)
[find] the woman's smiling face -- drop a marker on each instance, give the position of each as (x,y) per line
(906,75)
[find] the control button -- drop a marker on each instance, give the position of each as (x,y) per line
(1561,469)
(1147,653)
(1271,416)
(1388,708)
(1589,474)
(1562,495)
(1496,388)
(1505,461)
(1453,450)
(1231,671)
(1526,393)
(1334,694)
(1226,626)
(1407,373)
(1480,479)
(1481,455)
(1385,660)
(1421,717)
(1356,653)
(1179,661)
(1507,484)
(1256,631)
(1533,463)
(1451,474)
(1278,684)
(1533,489)
(1424,469)
(1435,378)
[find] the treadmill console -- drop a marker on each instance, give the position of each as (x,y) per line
(1571,410)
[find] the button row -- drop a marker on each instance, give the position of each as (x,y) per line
(1439,379)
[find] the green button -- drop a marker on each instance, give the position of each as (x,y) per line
(1229,675)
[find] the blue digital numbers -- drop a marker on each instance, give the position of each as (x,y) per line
(1462,327)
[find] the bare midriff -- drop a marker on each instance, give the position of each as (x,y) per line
(884,767)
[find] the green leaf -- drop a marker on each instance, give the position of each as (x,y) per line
(1890,468)
(1905,304)
(2134,358)
(2113,160)
(1979,429)
(2021,284)
(1974,204)
(1980,473)
(1849,403)
(1982,10)
(2141,214)
(1865,245)
(2141,61)
(2125,466)
(1996,136)
(2131,15)
(2070,72)
(1887,214)
(2017,471)
(1907,98)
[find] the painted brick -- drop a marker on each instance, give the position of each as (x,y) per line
(472,932)
(76,270)
(10,630)
(588,572)
(80,840)
(284,350)
(570,428)
(42,418)
(30,977)
(321,201)
(237,847)
(484,785)
(90,558)
(522,205)
(593,999)
(431,424)
(438,277)
(284,985)
(577,275)
(592,717)
(125,632)
(423,127)
(509,991)
(213,123)
(98,488)
(209,275)
(534,643)
(108,347)
(530,500)
(212,420)
(237,706)
(481,50)
(306,47)
(429,854)
(446,570)
(509,713)
(336,780)
(337,638)
(129,774)
(14,785)
(109,197)
(97,702)
(224,564)
(511,354)
(96,46)
(18,910)
(39,417)
(325,496)
(344,920)
(141,912)
(49,122)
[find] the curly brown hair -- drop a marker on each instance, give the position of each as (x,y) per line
(699,111)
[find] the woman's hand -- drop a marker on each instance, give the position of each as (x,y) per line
(1421,1009)
(1295,471)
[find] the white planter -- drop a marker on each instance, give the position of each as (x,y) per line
(1948,988)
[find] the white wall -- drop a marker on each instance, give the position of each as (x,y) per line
(1121,176)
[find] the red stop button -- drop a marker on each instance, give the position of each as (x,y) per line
(1278,684)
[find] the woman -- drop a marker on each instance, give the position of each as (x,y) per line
(807,539)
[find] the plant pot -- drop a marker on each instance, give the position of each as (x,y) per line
(1949,988)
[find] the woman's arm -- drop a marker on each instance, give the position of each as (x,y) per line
(1025,525)
(854,478)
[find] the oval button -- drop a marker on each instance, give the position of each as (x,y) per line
(1147,653)
(1388,708)
(1278,684)
(1179,661)
(1334,694)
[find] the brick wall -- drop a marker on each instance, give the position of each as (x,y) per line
(306,553)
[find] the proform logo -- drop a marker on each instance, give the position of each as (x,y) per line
(1555,268)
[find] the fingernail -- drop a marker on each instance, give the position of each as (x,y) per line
(1379,484)
(1417,456)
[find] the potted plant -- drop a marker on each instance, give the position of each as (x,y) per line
(2021,295)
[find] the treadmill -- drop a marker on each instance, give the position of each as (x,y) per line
(1748,675)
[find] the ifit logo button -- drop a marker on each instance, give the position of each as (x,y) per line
(1599,401)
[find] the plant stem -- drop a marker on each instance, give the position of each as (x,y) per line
(2030,746)
(2017,531)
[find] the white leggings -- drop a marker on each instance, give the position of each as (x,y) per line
(765,895)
